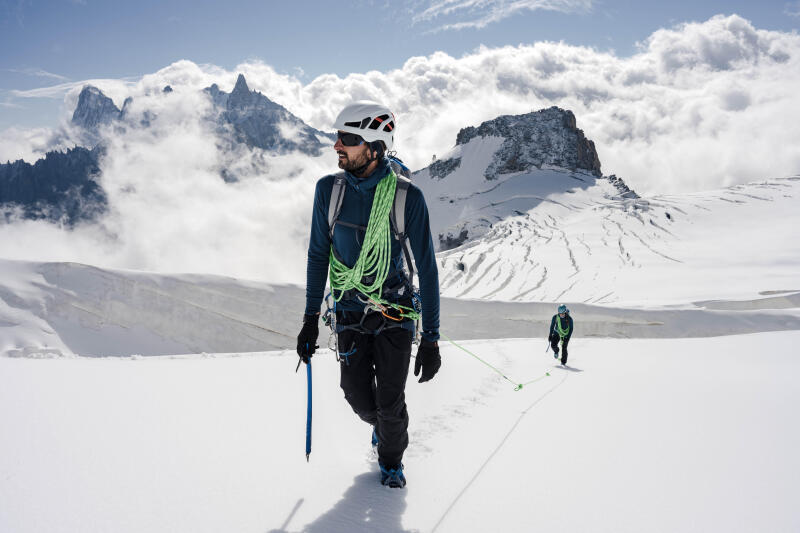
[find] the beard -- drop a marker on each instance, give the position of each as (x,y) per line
(348,164)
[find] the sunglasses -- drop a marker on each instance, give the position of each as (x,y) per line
(349,139)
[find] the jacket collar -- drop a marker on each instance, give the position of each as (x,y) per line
(371,181)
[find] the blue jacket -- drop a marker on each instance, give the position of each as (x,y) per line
(356,207)
(566,323)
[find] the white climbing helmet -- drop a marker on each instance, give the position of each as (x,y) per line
(371,120)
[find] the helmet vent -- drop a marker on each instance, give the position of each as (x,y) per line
(353,124)
(377,122)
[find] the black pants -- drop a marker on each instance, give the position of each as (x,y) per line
(373,379)
(554,338)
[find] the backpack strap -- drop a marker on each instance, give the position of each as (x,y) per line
(398,219)
(397,215)
(335,205)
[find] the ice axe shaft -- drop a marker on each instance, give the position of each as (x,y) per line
(308,413)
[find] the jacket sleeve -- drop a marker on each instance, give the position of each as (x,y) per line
(552,327)
(319,246)
(571,329)
(418,229)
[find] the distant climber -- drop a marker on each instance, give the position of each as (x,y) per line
(561,330)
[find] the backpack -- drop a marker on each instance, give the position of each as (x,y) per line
(397,215)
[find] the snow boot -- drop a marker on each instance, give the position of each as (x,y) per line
(555,354)
(393,477)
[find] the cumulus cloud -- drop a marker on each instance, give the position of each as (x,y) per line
(480,13)
(27,144)
(170,208)
(700,106)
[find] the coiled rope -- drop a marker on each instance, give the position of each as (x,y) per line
(374,257)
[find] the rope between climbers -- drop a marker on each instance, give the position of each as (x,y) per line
(517,386)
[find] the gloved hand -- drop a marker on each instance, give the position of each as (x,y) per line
(307,339)
(428,359)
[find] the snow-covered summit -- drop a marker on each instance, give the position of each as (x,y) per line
(508,166)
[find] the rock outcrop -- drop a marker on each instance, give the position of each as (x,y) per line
(546,137)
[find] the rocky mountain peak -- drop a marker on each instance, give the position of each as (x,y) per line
(257,121)
(546,137)
(241,84)
(94,109)
(241,95)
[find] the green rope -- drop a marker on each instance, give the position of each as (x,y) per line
(517,386)
(375,254)
(560,330)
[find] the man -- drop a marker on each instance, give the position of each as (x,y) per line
(354,236)
(561,330)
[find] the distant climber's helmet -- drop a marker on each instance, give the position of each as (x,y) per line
(562,309)
(370,120)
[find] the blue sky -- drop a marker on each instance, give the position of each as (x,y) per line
(53,42)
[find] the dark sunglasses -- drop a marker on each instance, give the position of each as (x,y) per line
(349,139)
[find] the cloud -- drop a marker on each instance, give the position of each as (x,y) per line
(38,73)
(792,9)
(116,87)
(170,209)
(480,13)
(700,106)
(722,86)
(27,144)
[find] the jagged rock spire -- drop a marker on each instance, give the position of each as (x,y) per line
(94,109)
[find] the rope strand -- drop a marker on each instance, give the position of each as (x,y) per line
(375,255)
(517,386)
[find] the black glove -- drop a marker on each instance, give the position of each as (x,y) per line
(428,359)
(307,339)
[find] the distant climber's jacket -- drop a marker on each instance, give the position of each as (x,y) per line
(566,325)
(347,241)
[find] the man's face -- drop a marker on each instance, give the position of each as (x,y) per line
(351,157)
(562,315)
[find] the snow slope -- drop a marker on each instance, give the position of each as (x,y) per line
(733,243)
(52,309)
(548,233)
(554,234)
(637,435)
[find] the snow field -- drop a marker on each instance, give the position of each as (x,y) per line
(640,435)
